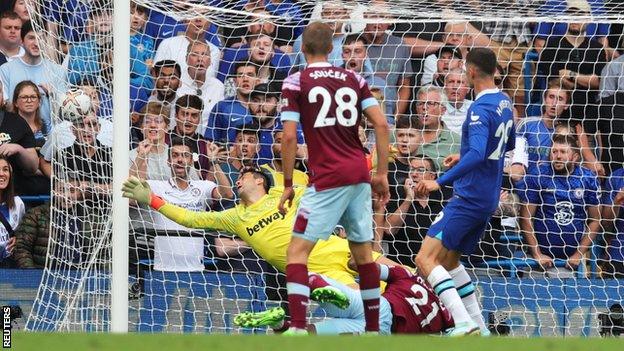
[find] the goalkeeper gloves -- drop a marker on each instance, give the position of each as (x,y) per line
(137,190)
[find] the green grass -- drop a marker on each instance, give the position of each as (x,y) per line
(177,342)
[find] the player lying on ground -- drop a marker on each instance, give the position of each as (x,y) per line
(408,306)
(257,221)
(487,134)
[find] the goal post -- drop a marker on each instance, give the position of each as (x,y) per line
(113,266)
(121,155)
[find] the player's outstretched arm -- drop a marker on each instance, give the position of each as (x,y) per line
(140,191)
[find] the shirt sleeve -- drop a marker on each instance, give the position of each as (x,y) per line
(393,273)
(367,98)
(224,220)
(612,186)
(527,189)
(211,127)
(291,111)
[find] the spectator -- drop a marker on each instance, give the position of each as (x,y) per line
(391,60)
(596,31)
(27,103)
(19,7)
(263,104)
(437,142)
(176,48)
(538,132)
(273,65)
(510,41)
(410,216)
(141,49)
(456,88)
(613,217)
(166,73)
(560,216)
(578,61)
(334,14)
(92,56)
(32,66)
(175,253)
(11,213)
(612,78)
(34,232)
(447,59)
(10,41)
(274,167)
(17,143)
(161,26)
(149,159)
(188,109)
(210,89)
(78,144)
(243,153)
(233,112)
(407,145)
(354,55)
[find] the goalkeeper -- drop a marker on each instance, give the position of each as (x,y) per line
(257,221)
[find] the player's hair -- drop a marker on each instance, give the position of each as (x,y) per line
(197,43)
(556,83)
(189,101)
(428,160)
(155,108)
(483,59)
(317,39)
(432,88)
(158,66)
(354,38)
(566,140)
(177,140)
(259,174)
(9,15)
(26,28)
(249,128)
(407,122)
(138,8)
(256,36)
(240,64)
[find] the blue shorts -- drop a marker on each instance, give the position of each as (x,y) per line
(351,320)
(459,226)
(320,211)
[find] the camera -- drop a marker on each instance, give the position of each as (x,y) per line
(612,323)
(15,314)
(497,323)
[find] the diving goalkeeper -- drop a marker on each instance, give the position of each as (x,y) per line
(257,221)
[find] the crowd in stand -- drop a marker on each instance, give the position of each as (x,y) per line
(213,92)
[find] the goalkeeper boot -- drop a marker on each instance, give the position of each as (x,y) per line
(273,317)
(330,294)
(464,329)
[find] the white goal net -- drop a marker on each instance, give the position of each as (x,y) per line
(208,75)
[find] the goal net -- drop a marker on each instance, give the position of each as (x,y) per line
(208,74)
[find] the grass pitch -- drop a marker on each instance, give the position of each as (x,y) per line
(179,342)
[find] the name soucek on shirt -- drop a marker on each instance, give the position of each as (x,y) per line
(328,102)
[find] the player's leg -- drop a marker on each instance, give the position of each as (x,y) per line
(317,216)
(357,220)
(349,320)
(444,233)
(463,282)
(297,280)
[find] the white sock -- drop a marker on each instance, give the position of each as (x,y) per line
(468,295)
(443,285)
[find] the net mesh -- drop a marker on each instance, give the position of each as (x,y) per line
(215,54)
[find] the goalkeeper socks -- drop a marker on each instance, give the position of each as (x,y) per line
(444,287)
(315,281)
(369,289)
(298,294)
(467,293)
